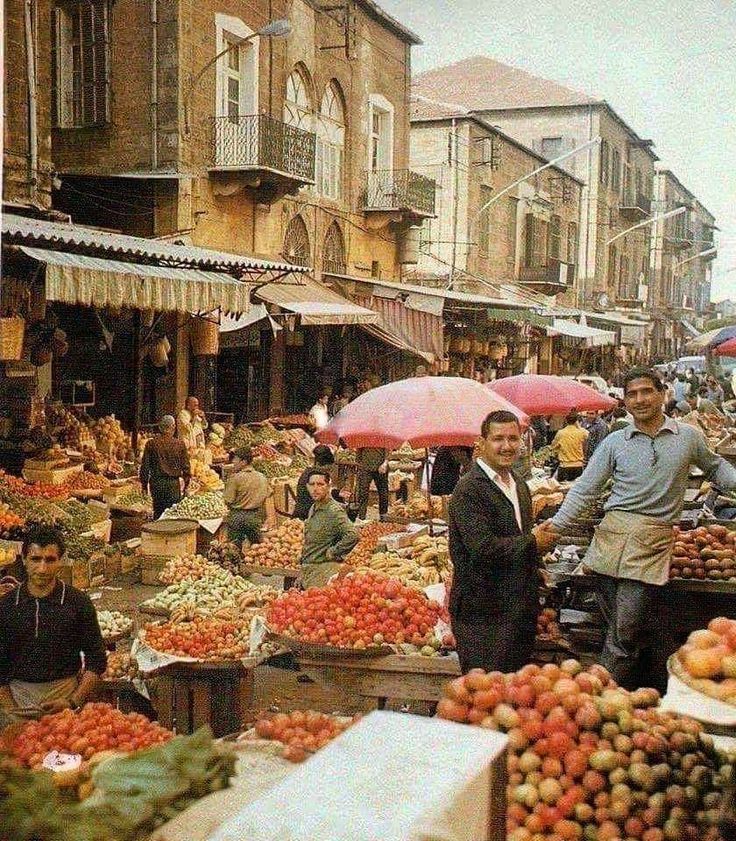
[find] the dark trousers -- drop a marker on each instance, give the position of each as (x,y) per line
(165,492)
(244,525)
(365,477)
(636,646)
(568,474)
(495,644)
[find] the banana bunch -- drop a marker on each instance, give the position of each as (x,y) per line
(187,612)
(425,562)
(257,597)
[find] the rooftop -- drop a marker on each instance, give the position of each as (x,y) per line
(390,22)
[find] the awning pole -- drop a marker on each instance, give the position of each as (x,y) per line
(136,379)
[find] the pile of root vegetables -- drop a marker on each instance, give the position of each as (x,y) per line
(588,760)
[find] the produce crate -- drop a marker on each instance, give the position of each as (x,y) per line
(52,475)
(169,537)
(101,530)
(189,695)
(151,566)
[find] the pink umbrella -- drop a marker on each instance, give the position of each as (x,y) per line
(425,411)
(727,348)
(538,394)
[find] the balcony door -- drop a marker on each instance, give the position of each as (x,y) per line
(382,191)
(236,125)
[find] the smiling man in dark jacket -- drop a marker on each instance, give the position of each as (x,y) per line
(494,599)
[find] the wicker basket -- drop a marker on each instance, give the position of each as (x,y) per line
(205,336)
(11,338)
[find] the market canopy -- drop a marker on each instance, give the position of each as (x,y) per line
(414,331)
(314,303)
(98,282)
(728,348)
(539,394)
(712,338)
(425,411)
(590,336)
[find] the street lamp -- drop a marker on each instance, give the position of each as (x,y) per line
(502,193)
(273,29)
(706,253)
(676,212)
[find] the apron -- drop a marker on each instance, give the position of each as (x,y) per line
(632,546)
(28,697)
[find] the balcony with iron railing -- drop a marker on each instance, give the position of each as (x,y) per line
(681,237)
(634,205)
(399,191)
(555,277)
(276,154)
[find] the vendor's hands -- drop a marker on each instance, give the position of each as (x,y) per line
(345,494)
(56,705)
(545,535)
(383,468)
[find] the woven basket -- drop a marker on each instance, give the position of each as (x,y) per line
(205,336)
(11,338)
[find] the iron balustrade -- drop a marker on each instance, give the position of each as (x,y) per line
(399,189)
(258,141)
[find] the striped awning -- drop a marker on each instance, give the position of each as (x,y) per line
(315,303)
(412,330)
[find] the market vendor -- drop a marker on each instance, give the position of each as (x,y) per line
(191,424)
(450,463)
(328,533)
(323,458)
(648,464)
(51,649)
(372,466)
(569,447)
(245,492)
(494,598)
(165,467)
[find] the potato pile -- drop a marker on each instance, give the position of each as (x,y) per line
(707,661)
(279,549)
(707,552)
(188,567)
(120,666)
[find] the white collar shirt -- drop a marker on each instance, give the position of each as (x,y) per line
(510,491)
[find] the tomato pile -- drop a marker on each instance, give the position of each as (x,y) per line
(205,638)
(95,728)
(302,732)
(40,490)
(356,611)
(9,520)
(590,761)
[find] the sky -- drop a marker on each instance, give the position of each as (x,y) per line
(668,67)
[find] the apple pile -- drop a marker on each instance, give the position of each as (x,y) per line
(588,760)
(705,552)
(548,625)
(709,659)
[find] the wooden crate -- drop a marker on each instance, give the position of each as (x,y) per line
(189,695)
(400,676)
(169,537)
(50,475)
(151,566)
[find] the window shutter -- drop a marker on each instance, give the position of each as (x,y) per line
(94,45)
(56,50)
(101,64)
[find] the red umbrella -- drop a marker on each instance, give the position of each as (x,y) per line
(727,348)
(425,411)
(538,394)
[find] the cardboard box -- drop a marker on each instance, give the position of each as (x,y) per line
(401,540)
(391,776)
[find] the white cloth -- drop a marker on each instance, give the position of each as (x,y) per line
(320,415)
(509,491)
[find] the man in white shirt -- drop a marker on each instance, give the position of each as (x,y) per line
(319,413)
(191,424)
(494,600)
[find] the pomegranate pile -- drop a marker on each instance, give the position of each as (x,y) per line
(588,760)
(357,611)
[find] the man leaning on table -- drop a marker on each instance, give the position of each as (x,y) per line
(648,464)
(51,649)
(328,533)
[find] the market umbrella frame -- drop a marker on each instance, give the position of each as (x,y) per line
(727,348)
(543,394)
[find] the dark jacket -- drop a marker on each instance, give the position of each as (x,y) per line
(496,579)
(445,472)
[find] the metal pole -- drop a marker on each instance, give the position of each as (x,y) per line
(676,212)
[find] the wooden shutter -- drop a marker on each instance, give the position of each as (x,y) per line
(536,242)
(94,47)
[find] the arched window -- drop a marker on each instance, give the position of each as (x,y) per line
(330,143)
(333,253)
(298,109)
(296,243)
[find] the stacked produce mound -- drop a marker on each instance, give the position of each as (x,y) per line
(120,666)
(115,797)
(707,661)
(588,760)
(203,478)
(425,562)
(705,552)
(204,506)
(37,490)
(10,522)
(110,436)
(113,623)
(204,638)
(219,590)
(358,611)
(225,555)
(302,732)
(186,568)
(134,499)
(95,728)
(87,481)
(548,625)
(370,534)
(279,549)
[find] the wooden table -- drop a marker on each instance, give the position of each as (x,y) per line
(399,676)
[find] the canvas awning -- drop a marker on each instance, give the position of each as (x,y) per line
(412,330)
(689,328)
(631,332)
(589,336)
(315,303)
(98,282)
